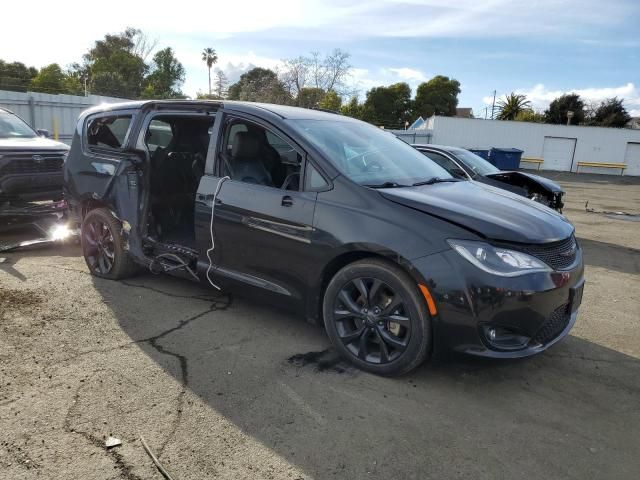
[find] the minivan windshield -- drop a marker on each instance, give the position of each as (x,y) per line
(12,126)
(479,165)
(369,155)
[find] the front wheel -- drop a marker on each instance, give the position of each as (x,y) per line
(376,318)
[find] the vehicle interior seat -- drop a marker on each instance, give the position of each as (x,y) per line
(272,160)
(247,161)
(175,174)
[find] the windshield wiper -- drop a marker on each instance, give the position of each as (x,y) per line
(433,180)
(387,185)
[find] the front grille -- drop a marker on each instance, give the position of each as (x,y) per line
(554,326)
(24,164)
(558,255)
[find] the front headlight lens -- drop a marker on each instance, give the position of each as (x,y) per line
(496,260)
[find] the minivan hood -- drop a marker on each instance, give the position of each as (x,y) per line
(491,212)
(36,143)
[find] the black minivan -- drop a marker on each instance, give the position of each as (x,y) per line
(328,216)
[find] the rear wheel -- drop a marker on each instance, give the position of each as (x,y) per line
(103,246)
(376,318)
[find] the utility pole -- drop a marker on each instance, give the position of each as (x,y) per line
(493,105)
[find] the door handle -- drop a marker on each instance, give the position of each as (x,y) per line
(287,201)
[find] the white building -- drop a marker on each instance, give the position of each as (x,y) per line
(560,146)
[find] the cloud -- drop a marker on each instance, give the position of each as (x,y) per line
(408,74)
(576,20)
(540,96)
(363,79)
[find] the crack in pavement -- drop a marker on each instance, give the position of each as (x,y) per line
(126,471)
(182,360)
(173,295)
(219,302)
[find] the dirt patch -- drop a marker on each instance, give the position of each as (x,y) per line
(11,299)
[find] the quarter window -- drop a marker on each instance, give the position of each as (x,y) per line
(108,132)
(313,180)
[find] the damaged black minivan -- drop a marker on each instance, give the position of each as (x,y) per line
(328,216)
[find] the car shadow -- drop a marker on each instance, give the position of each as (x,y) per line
(572,411)
(610,256)
(582,178)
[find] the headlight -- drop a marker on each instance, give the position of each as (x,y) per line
(496,260)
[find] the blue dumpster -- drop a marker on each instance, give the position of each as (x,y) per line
(480,152)
(506,158)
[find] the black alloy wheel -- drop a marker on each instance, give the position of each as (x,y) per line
(99,249)
(371,320)
(376,317)
(104,247)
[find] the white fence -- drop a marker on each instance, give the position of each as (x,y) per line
(413,136)
(560,146)
(56,113)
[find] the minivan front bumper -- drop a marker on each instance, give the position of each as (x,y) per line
(502,317)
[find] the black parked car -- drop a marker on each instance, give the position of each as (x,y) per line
(464,164)
(326,215)
(30,164)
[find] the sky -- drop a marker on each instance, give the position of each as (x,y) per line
(541,48)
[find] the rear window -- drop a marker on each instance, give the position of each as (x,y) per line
(108,132)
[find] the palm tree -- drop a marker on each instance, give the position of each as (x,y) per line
(209,56)
(512,105)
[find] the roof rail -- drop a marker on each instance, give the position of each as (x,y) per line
(325,110)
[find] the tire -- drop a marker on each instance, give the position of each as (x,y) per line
(103,246)
(397,339)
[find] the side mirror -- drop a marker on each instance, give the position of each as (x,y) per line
(43,133)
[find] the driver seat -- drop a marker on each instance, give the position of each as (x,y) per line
(246,160)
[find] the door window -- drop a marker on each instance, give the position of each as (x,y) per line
(108,132)
(253,154)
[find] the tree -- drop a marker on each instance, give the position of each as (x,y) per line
(438,96)
(353,108)
(331,101)
(221,83)
(611,113)
(259,85)
(557,111)
(166,77)
(309,97)
(388,106)
(512,105)
(16,76)
(529,116)
(210,57)
(77,76)
(325,73)
(109,83)
(50,79)
(116,68)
